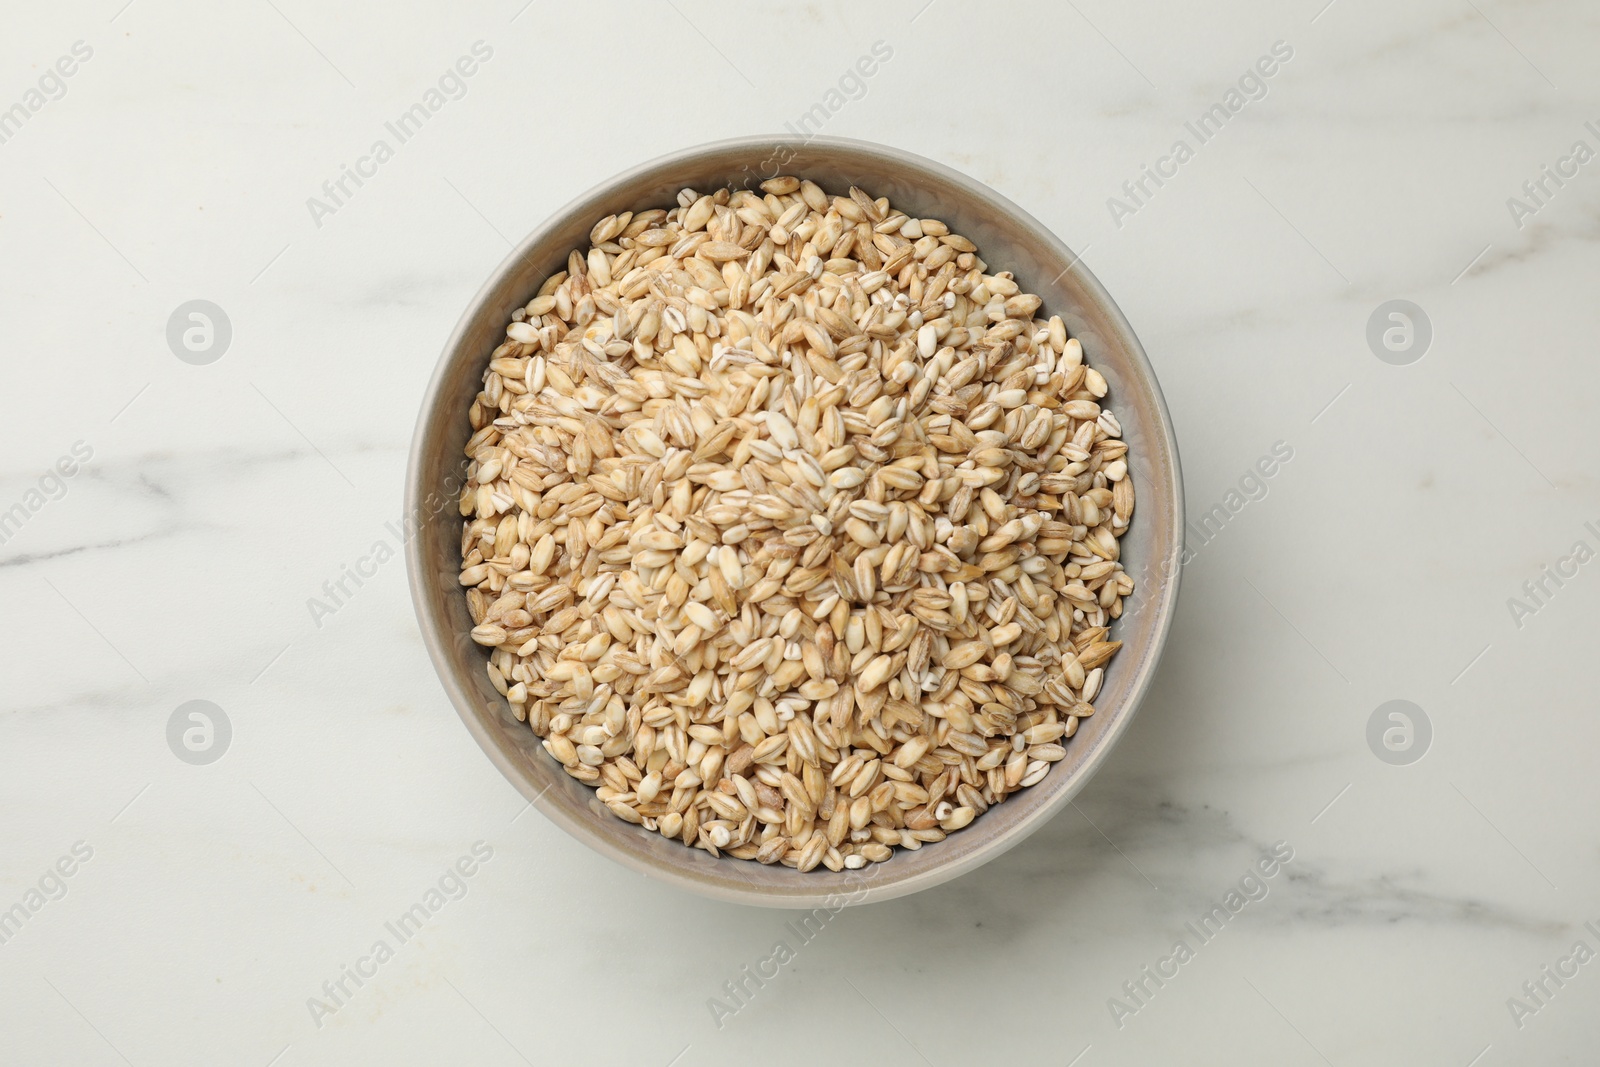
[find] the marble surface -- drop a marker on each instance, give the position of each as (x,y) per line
(210,499)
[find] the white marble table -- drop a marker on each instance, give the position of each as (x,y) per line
(210,499)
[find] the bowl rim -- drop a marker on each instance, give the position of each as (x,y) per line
(435,632)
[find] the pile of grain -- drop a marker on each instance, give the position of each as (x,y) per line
(791,529)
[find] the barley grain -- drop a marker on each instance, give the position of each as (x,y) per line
(792,529)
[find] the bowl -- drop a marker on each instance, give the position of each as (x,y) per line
(1007,238)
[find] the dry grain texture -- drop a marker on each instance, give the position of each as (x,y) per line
(792,529)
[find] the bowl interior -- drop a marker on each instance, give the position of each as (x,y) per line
(1007,239)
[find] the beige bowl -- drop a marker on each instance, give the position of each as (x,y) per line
(1008,239)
